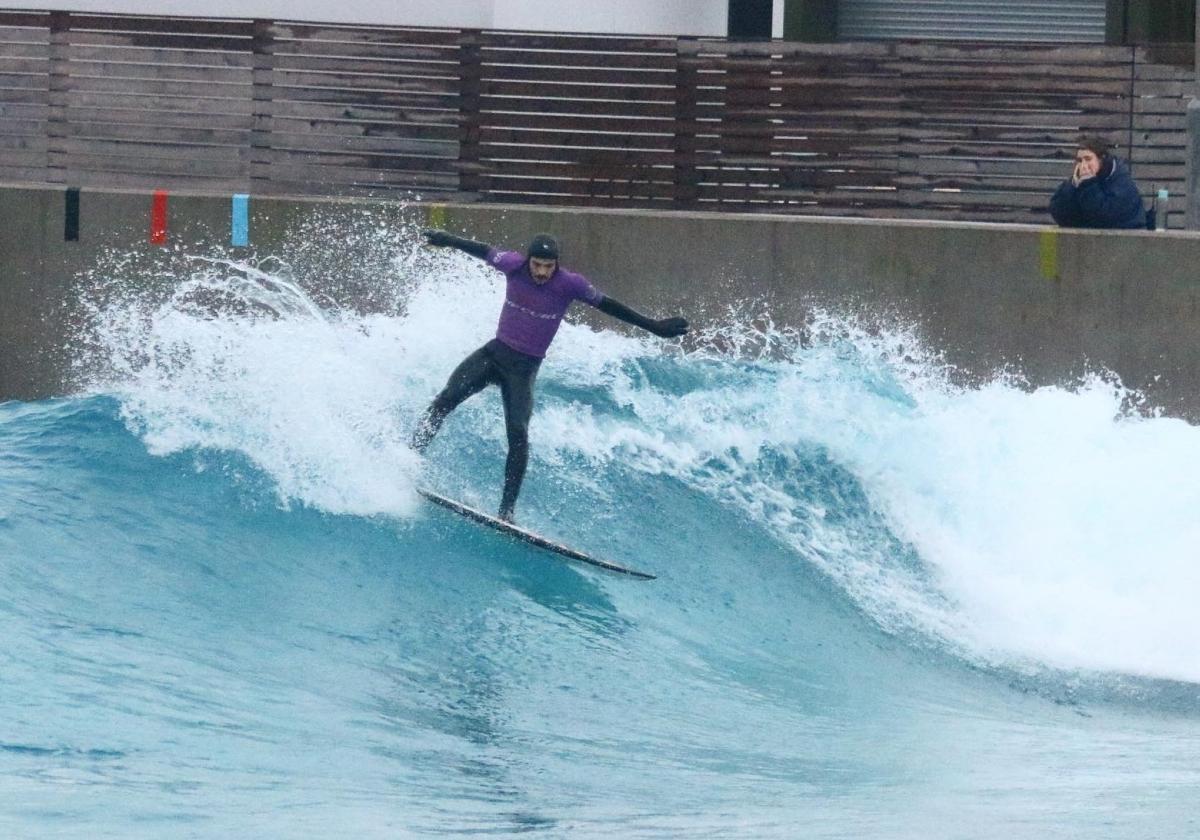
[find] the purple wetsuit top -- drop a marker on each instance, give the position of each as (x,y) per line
(532,312)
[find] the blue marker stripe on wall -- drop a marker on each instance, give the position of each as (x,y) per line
(241,220)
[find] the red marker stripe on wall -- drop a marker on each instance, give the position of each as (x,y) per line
(158,218)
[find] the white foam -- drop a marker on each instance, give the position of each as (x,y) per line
(1051,527)
(239,359)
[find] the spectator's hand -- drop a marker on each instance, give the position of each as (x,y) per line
(670,327)
(436,237)
(1084,169)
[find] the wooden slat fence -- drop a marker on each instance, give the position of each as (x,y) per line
(894,129)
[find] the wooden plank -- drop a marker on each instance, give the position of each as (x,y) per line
(155,56)
(723,114)
(151,150)
(522,41)
(852,85)
(26,52)
(983,133)
(296,170)
(524,105)
(174,106)
(359,98)
(20,96)
(25,158)
(81,21)
(21,111)
(1158,72)
(236,90)
(19,64)
(23,128)
(334,49)
(736,174)
(160,41)
(285,31)
(13,19)
(570,61)
(1182,54)
(361,112)
(1055,170)
(783,49)
(580,184)
(782,135)
(1172,155)
(815,144)
(382,130)
(992,53)
(652,77)
(14,175)
(598,122)
(855,61)
(361,160)
(23,142)
(160,72)
(541,91)
(1059,153)
(576,139)
(134,116)
(389,67)
(1166,89)
(1043,187)
(158,133)
(156,165)
(113,179)
(1063,74)
(438,150)
(24,81)
(360,82)
(1159,137)
(999,199)
(743,193)
(591,157)
(385,191)
(500,195)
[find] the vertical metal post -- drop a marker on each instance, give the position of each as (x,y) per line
(263,45)
(470,117)
(1193,135)
(57,157)
(686,177)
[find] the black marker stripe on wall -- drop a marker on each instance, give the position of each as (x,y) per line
(71,225)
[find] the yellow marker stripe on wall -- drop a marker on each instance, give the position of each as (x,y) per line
(1049,254)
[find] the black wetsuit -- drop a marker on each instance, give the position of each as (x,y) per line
(494,363)
(533,310)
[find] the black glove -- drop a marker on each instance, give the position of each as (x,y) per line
(437,237)
(670,327)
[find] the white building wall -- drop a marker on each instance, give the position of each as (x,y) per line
(646,17)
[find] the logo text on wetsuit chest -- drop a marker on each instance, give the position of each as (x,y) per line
(545,316)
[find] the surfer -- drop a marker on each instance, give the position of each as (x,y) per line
(538,294)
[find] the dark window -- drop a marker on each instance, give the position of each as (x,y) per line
(750,18)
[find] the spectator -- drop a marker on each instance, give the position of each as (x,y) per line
(1100,192)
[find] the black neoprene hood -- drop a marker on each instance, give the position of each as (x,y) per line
(543,247)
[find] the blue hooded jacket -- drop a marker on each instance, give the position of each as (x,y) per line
(1109,200)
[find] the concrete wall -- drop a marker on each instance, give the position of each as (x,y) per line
(1046,302)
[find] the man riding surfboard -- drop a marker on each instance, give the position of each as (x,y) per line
(539,291)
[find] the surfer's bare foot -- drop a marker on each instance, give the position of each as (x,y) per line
(505,516)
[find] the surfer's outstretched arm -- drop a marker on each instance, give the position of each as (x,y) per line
(663,328)
(448,240)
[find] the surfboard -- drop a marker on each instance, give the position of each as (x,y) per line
(529,537)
